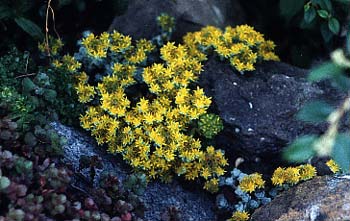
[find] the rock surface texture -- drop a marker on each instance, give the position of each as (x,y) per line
(139,21)
(259,108)
(158,197)
(322,198)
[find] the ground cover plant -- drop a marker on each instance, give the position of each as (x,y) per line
(144,111)
(141,99)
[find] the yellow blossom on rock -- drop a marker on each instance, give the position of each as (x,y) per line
(119,42)
(149,127)
(333,166)
(239,216)
(278,178)
(307,171)
(251,182)
(97,46)
(292,175)
(241,45)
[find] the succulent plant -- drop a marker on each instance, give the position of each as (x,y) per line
(210,125)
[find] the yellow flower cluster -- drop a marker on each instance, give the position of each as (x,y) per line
(150,130)
(55,45)
(68,63)
(242,45)
(239,216)
(333,166)
(293,175)
(251,182)
(99,46)
(84,90)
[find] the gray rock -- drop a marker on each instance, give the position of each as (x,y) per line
(258,108)
(322,198)
(193,205)
(139,21)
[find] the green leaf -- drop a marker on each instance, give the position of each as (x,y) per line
(322,13)
(31,28)
(310,15)
(348,40)
(301,149)
(315,112)
(343,1)
(341,82)
(307,7)
(28,85)
(326,33)
(326,4)
(324,71)
(5,12)
(4,182)
(333,25)
(289,8)
(30,139)
(341,151)
(50,95)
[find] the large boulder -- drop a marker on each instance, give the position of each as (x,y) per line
(322,198)
(193,205)
(259,108)
(139,21)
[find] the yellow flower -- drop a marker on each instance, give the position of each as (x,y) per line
(205,173)
(251,182)
(239,216)
(85,92)
(278,178)
(82,77)
(70,63)
(307,171)
(96,46)
(143,105)
(333,166)
(56,63)
(145,45)
(292,175)
(119,42)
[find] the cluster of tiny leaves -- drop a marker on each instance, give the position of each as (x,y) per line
(242,46)
(166,22)
(210,125)
(149,131)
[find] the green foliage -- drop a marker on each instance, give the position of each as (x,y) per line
(290,8)
(331,143)
(315,112)
(30,27)
(210,125)
(324,71)
(300,150)
(32,97)
(17,10)
(325,14)
(20,19)
(341,151)
(136,183)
